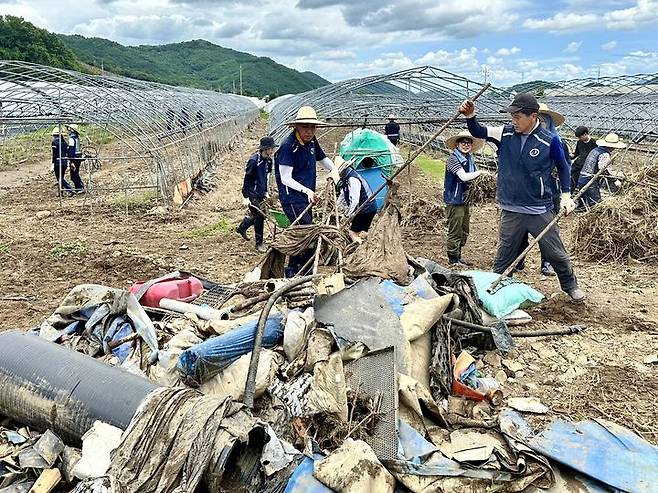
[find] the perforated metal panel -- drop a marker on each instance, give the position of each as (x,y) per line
(375,375)
(215,297)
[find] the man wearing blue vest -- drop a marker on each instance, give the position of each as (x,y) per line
(254,191)
(597,159)
(353,192)
(296,175)
(527,155)
(392,130)
(75,158)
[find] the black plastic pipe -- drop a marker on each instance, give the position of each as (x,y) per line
(47,386)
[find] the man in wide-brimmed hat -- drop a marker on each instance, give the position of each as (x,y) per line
(527,155)
(460,171)
(597,159)
(392,130)
(254,190)
(60,151)
(296,174)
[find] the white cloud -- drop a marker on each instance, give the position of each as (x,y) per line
(609,46)
(573,47)
(508,51)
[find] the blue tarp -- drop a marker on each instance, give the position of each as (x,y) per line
(398,296)
(302,480)
(205,360)
(605,451)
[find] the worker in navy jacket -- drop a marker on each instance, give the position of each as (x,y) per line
(59,160)
(75,158)
(254,190)
(527,155)
(392,130)
(295,169)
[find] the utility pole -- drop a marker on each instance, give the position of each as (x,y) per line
(240,80)
(234,87)
(485,73)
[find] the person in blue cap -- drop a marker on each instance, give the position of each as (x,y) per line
(527,155)
(254,191)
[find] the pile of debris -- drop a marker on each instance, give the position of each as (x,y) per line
(482,189)
(317,384)
(622,226)
(420,214)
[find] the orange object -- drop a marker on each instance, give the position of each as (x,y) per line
(461,365)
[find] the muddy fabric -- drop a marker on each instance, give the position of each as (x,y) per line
(381,254)
(169,443)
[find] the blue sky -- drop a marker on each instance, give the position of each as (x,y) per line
(509,41)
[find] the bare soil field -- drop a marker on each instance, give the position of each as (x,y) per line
(599,373)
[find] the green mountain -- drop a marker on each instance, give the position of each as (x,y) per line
(196,63)
(21,40)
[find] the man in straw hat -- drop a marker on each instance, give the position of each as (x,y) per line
(598,158)
(460,170)
(254,190)
(75,158)
(296,173)
(527,154)
(392,130)
(60,151)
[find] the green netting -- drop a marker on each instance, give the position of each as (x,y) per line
(365,143)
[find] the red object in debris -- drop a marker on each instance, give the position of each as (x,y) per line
(176,289)
(459,388)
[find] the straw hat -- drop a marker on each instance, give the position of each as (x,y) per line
(73,126)
(557,118)
(611,140)
(391,116)
(55,131)
(306,114)
(451,142)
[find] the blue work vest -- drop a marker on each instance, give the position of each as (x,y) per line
(254,185)
(74,150)
(591,166)
(524,175)
(60,150)
(302,158)
(454,190)
(364,193)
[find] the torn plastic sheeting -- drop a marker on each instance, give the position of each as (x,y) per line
(201,362)
(119,328)
(413,446)
(277,453)
(398,296)
(439,465)
(302,480)
(605,451)
(361,314)
(143,325)
(97,445)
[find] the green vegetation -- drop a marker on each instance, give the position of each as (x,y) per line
(21,40)
(65,249)
(5,247)
(134,202)
(435,168)
(222,227)
(196,63)
(264,115)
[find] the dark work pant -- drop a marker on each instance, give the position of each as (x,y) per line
(75,174)
(591,197)
(458,219)
(292,211)
(60,171)
(254,218)
(524,243)
(362,221)
(514,229)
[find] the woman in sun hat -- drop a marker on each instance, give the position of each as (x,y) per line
(598,158)
(460,170)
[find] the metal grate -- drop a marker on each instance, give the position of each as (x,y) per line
(375,375)
(216,296)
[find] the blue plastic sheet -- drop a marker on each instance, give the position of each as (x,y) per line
(413,446)
(398,296)
(203,361)
(302,480)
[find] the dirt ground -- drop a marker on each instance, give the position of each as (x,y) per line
(599,373)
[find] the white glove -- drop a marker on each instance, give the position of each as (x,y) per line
(566,202)
(246,201)
(334,175)
(312,198)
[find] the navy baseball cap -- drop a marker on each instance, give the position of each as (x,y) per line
(522,102)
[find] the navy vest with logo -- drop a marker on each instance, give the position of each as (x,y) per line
(524,175)
(454,190)
(363,195)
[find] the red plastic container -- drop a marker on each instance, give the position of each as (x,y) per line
(176,289)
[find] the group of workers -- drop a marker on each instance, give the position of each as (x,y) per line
(534,183)
(66,152)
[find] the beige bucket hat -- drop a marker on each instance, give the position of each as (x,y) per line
(557,118)
(306,114)
(451,142)
(611,140)
(55,131)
